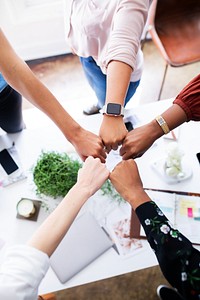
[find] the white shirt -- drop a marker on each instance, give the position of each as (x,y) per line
(21,273)
(107,30)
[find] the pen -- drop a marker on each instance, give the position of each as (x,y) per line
(174,192)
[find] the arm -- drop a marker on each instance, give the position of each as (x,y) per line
(113,130)
(21,78)
(186,107)
(177,258)
(139,140)
(26,265)
(90,178)
(128,24)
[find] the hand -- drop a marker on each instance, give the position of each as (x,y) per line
(112,132)
(138,141)
(87,144)
(126,180)
(92,175)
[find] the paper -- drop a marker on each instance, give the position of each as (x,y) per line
(120,233)
(182,209)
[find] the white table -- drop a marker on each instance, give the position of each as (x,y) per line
(41,133)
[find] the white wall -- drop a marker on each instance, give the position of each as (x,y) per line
(35,28)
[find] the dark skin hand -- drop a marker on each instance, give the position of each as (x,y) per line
(139,140)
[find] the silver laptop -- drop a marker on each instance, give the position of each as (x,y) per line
(83,243)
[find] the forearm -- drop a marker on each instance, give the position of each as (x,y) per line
(178,259)
(59,221)
(34,91)
(118,79)
(173,116)
(21,78)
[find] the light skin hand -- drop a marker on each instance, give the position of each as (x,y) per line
(112,132)
(92,175)
(90,178)
(87,144)
(126,180)
(21,78)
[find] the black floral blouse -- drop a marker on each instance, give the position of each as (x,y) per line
(178,259)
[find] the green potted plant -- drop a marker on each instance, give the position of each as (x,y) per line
(55,174)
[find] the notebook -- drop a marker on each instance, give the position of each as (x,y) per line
(84,242)
(181,208)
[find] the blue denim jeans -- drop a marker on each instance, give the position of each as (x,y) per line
(3,83)
(97,81)
(11,119)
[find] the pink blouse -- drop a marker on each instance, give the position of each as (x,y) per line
(189,99)
(107,30)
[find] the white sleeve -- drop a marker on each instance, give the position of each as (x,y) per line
(127,28)
(21,272)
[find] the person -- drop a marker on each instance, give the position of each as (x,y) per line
(11,119)
(24,266)
(178,259)
(108,44)
(185,107)
(15,74)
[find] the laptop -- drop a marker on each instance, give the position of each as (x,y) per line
(84,242)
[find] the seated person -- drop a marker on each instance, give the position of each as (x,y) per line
(178,259)
(25,265)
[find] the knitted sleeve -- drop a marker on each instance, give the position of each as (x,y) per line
(189,99)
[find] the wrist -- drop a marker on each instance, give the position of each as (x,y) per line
(163,124)
(112,118)
(138,197)
(113,109)
(73,135)
(83,190)
(155,129)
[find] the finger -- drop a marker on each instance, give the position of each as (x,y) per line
(97,159)
(139,155)
(103,153)
(126,156)
(122,151)
(102,159)
(102,156)
(107,149)
(115,146)
(83,157)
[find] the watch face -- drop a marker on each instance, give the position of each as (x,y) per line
(113,109)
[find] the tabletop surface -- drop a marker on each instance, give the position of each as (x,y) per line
(42,134)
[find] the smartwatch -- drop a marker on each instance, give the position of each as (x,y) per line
(113,109)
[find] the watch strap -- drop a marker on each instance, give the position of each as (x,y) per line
(162,123)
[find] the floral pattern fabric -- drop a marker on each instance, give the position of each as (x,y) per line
(178,259)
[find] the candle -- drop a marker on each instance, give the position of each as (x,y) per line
(26,208)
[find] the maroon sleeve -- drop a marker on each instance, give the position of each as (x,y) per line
(189,99)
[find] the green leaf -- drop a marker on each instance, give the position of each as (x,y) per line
(55,174)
